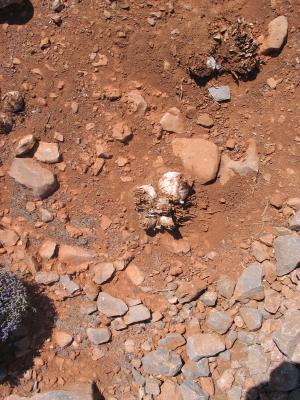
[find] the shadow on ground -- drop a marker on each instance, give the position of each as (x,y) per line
(284,384)
(18,353)
(17,14)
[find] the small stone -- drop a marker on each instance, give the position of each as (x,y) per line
(219,321)
(98,335)
(118,324)
(205,120)
(103,272)
(137,102)
(63,339)
(192,391)
(249,284)
(45,215)
(220,93)
(46,278)
(273,301)
(200,157)
(30,174)
(294,222)
(88,308)
(189,291)
(57,5)
(47,249)
(74,107)
(137,376)
(276,200)
(111,306)
(209,298)
(67,283)
(287,253)
(8,237)
(162,362)
(172,121)
(25,144)
(47,152)
(260,251)
(122,132)
(102,149)
(230,339)
(225,286)
(252,318)
(170,390)
(172,341)
(203,345)
(277,33)
(135,274)
(112,93)
(136,314)
(152,386)
(194,370)
(156,316)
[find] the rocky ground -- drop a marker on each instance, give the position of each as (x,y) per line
(149,173)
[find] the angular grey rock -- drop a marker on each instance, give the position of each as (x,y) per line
(162,362)
(137,314)
(46,278)
(30,174)
(98,335)
(152,386)
(219,321)
(252,318)
(193,370)
(203,345)
(294,222)
(192,391)
(111,306)
(220,93)
(287,253)
(249,284)
(287,336)
(209,298)
(225,286)
(285,377)
(172,341)
(68,284)
(78,391)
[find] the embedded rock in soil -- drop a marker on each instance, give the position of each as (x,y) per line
(30,174)
(169,390)
(205,120)
(209,298)
(200,157)
(192,391)
(138,313)
(287,253)
(219,321)
(203,345)
(249,285)
(8,237)
(294,222)
(111,306)
(47,249)
(162,362)
(277,33)
(25,144)
(287,337)
(172,121)
(99,335)
(122,133)
(75,255)
(63,339)
(47,153)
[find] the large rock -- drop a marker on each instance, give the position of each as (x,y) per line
(200,157)
(277,33)
(111,306)
(192,391)
(172,121)
(30,174)
(249,284)
(219,321)
(162,362)
(203,345)
(287,253)
(287,337)
(79,391)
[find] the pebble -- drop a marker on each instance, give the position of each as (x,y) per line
(45,215)
(47,249)
(249,284)
(252,318)
(63,339)
(30,174)
(287,253)
(219,321)
(46,278)
(205,120)
(138,313)
(47,153)
(122,133)
(225,286)
(98,335)
(103,272)
(294,222)
(135,274)
(192,391)
(203,345)
(172,341)
(200,157)
(277,33)
(162,362)
(25,144)
(220,93)
(111,306)
(172,121)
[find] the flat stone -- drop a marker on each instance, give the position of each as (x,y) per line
(200,157)
(260,251)
(189,291)
(77,391)
(172,341)
(138,313)
(98,335)
(47,249)
(103,272)
(220,93)
(47,153)
(192,391)
(294,222)
(277,33)
(219,321)
(75,255)
(252,318)
(273,301)
(29,173)
(135,274)
(25,144)
(63,339)
(111,306)
(205,120)
(287,337)
(193,370)
(249,284)
(46,278)
(209,298)
(203,345)
(172,121)
(287,253)
(285,377)
(225,286)
(162,362)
